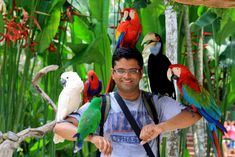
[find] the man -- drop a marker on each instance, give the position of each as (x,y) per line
(119,138)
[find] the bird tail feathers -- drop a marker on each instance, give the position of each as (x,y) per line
(214,121)
(58,139)
(216,146)
(78,145)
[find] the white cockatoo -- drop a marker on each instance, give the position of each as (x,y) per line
(69,98)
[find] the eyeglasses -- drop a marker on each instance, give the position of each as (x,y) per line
(132,71)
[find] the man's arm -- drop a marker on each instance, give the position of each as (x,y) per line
(182,120)
(68,129)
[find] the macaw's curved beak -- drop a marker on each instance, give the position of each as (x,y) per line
(171,76)
(63,82)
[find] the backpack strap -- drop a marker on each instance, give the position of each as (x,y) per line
(105,107)
(148,102)
(132,122)
(149,105)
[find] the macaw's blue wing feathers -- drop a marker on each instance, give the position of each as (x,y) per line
(92,86)
(205,105)
(199,98)
(95,91)
(120,39)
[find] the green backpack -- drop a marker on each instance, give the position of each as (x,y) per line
(148,102)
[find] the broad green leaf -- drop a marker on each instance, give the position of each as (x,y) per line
(201,10)
(56,4)
(80,29)
(77,48)
(1,24)
(88,55)
(141,4)
(96,9)
(45,37)
(104,69)
(224,32)
(100,11)
(206,19)
(153,11)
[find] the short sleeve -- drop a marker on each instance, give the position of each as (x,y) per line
(167,107)
(77,115)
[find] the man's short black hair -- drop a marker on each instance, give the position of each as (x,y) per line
(127,53)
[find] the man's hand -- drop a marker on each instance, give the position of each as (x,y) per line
(149,132)
(101,143)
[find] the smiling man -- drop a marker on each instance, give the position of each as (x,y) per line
(119,139)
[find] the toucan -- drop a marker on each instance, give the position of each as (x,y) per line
(157,65)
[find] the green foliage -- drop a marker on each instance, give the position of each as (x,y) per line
(81,30)
(2,26)
(204,20)
(141,4)
(225,31)
(45,37)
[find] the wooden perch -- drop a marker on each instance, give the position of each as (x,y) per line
(10,141)
(8,147)
(39,90)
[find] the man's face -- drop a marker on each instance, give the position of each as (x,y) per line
(127,74)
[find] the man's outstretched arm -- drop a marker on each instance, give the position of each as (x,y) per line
(68,129)
(182,120)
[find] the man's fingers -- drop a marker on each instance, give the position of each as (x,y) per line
(109,149)
(101,145)
(143,142)
(106,147)
(146,134)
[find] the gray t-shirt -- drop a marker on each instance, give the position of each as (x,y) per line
(119,132)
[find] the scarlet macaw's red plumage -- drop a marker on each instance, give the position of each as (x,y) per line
(199,99)
(127,35)
(92,87)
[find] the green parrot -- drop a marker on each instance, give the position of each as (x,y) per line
(88,122)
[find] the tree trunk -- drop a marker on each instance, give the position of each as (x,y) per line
(199,132)
(171,33)
(172,144)
(188,40)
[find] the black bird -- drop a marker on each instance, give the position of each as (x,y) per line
(157,64)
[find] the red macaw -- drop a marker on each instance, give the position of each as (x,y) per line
(201,100)
(128,31)
(127,34)
(92,87)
